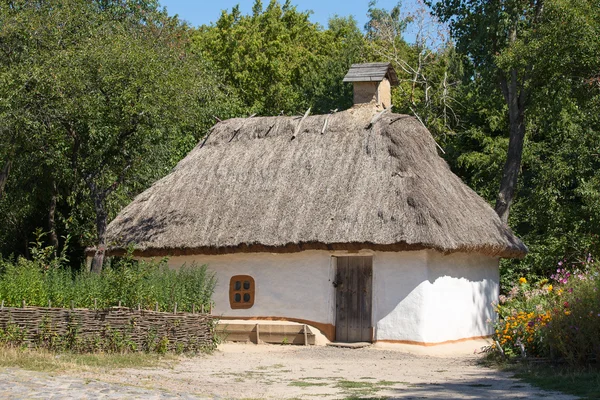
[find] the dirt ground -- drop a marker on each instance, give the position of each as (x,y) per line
(238,371)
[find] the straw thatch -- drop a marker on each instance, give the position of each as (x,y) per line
(251,187)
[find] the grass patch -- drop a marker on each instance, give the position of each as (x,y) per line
(582,382)
(42,360)
(306,384)
(265,367)
(390,383)
(358,390)
(318,378)
(355,385)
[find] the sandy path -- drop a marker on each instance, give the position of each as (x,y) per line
(282,372)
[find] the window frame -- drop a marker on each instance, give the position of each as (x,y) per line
(232,292)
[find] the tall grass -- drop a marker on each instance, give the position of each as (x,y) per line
(144,283)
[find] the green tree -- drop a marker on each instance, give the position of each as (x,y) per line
(521,46)
(429,70)
(106,95)
(279,61)
(556,211)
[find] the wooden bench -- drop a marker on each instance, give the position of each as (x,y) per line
(265,333)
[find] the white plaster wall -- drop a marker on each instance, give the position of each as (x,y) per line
(291,285)
(418,296)
(397,298)
(430,297)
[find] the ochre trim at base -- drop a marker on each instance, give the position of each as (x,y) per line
(326,329)
(427,344)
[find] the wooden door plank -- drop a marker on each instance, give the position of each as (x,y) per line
(367,300)
(347,304)
(354,316)
(341,323)
(350,299)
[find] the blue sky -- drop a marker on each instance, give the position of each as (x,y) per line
(199,12)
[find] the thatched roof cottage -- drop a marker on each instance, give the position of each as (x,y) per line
(350,222)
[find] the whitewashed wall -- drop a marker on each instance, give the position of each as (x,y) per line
(427,297)
(292,285)
(418,296)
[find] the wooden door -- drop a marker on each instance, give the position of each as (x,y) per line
(353,299)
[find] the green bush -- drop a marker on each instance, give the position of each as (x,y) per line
(145,283)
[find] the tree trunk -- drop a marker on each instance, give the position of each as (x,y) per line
(511,170)
(515,99)
(4,176)
(101,218)
(51,219)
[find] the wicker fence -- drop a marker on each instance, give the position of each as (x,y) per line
(114,329)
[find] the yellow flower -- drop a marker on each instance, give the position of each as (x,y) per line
(549,288)
(567,312)
(522,281)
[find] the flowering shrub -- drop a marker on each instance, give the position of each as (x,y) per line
(559,317)
(523,314)
(574,333)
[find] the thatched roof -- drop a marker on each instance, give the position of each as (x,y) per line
(251,187)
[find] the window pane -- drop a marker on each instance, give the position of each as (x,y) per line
(237,298)
(246,297)
(238,285)
(246,285)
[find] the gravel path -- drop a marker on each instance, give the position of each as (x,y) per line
(20,384)
(283,372)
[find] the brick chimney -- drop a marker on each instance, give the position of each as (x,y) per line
(372,83)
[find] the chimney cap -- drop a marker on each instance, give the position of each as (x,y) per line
(372,72)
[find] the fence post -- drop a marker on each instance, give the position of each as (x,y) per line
(305,335)
(175,308)
(139,308)
(72,305)
(49,303)
(119,303)
(23,304)
(202,308)
(193,308)
(156,306)
(2,306)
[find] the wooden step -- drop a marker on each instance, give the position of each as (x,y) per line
(266,333)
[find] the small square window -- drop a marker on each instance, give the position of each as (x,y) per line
(241,291)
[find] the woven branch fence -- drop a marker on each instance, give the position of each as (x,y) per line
(115,329)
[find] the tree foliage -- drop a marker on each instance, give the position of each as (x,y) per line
(279,61)
(551,62)
(96,90)
(429,69)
